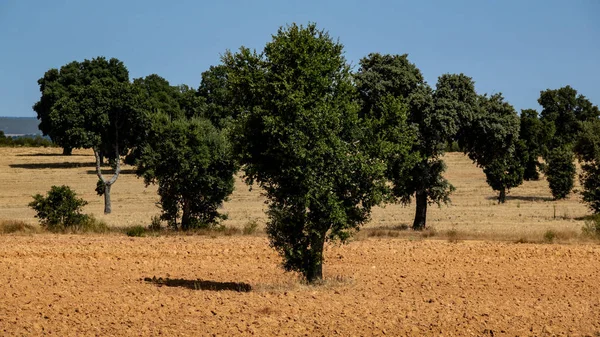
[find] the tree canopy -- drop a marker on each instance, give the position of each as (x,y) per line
(193,164)
(436,117)
(92,104)
(298,138)
(491,140)
(563,112)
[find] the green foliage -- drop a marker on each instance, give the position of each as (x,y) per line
(25,141)
(564,113)
(214,89)
(298,137)
(588,152)
(84,105)
(560,171)
(549,236)
(60,209)
(532,135)
(491,141)
(565,109)
(435,116)
(192,163)
(136,231)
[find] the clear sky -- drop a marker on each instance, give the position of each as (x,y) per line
(517,47)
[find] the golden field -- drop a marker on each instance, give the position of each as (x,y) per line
(529,209)
(202,285)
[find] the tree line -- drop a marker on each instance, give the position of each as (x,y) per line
(325,143)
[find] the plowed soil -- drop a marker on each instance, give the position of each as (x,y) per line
(227,286)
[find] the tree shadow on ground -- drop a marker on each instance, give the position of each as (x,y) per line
(52,155)
(522,198)
(110,171)
(200,284)
(39,166)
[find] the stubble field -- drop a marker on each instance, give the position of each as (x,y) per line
(112,285)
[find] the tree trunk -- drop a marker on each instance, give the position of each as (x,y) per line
(314,269)
(502,196)
(421,212)
(67,151)
(107,183)
(185,218)
(107,205)
(101,155)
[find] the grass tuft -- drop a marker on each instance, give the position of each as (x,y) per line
(16,226)
(135,231)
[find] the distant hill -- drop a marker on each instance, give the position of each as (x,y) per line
(20,126)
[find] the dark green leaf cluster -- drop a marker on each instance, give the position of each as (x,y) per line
(563,113)
(60,209)
(193,165)
(491,140)
(587,148)
(433,119)
(85,103)
(560,171)
(533,135)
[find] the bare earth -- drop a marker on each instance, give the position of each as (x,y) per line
(112,285)
(86,285)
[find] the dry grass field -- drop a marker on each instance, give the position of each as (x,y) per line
(113,285)
(529,210)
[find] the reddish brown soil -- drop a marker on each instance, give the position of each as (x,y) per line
(94,285)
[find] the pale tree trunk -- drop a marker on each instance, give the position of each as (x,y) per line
(107,183)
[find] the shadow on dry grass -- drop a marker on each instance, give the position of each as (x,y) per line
(200,284)
(111,171)
(51,155)
(40,166)
(522,198)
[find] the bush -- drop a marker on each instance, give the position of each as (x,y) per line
(250,227)
(90,224)
(14,226)
(560,172)
(155,225)
(136,231)
(192,163)
(61,210)
(591,228)
(549,236)
(25,141)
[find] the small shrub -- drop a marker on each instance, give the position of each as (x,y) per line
(228,231)
(90,224)
(591,228)
(549,236)
(429,232)
(453,236)
(155,224)
(136,231)
(402,227)
(15,226)
(60,209)
(250,227)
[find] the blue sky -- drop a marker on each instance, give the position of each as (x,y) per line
(517,47)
